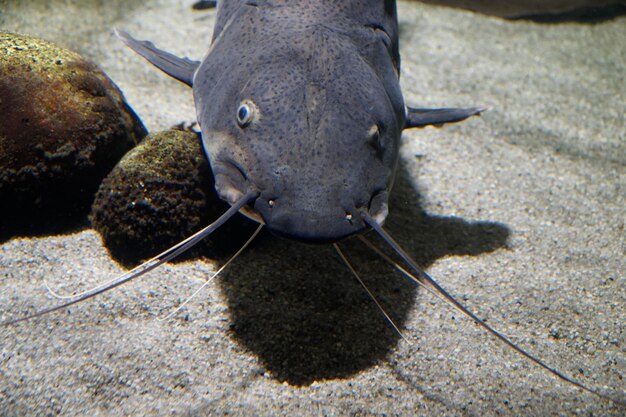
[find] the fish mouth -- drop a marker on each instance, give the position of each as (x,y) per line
(329,224)
(309,226)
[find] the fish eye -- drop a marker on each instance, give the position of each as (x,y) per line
(245,113)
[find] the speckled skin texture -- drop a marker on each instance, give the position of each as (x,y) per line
(309,67)
(160,193)
(63,125)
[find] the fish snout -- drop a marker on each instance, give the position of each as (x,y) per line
(321,223)
(309,226)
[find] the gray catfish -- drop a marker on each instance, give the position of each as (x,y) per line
(301,114)
(299,101)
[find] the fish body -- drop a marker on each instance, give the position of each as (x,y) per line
(300,103)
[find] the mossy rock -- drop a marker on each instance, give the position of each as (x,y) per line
(63,126)
(160,193)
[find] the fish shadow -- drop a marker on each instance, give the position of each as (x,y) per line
(298,308)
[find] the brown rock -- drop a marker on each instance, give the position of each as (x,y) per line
(160,193)
(63,125)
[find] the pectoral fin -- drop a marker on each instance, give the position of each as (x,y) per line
(437,117)
(182,69)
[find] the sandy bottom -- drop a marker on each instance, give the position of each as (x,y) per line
(519,213)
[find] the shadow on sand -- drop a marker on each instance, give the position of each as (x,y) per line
(298,308)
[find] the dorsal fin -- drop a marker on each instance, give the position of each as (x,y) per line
(182,69)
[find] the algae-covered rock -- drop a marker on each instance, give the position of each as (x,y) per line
(63,125)
(160,193)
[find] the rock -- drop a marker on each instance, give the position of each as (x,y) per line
(521,8)
(63,125)
(160,193)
